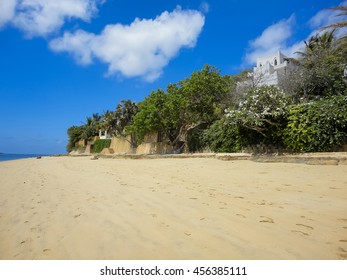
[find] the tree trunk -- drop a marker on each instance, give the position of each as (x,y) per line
(180,141)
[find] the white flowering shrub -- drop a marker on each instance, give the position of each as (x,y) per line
(264,109)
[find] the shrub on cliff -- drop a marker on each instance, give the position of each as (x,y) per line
(317,126)
(100,144)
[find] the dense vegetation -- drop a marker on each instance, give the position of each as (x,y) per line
(100,144)
(317,126)
(209,112)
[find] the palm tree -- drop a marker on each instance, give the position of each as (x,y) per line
(116,121)
(91,126)
(318,45)
(326,40)
(341,49)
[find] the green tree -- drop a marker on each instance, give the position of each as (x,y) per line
(74,134)
(196,101)
(207,95)
(151,116)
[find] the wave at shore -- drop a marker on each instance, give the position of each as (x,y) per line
(5,157)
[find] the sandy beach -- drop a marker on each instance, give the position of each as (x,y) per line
(78,208)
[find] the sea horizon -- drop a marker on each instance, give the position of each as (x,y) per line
(11,156)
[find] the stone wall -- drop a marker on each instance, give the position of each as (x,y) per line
(81,143)
(121,145)
(154,148)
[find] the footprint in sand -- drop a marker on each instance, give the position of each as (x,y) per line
(301,232)
(240,215)
(342,253)
(303,229)
(165,224)
(266,220)
(305,226)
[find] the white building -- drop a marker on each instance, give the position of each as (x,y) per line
(272,69)
(104,134)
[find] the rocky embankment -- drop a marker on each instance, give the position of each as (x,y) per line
(306,158)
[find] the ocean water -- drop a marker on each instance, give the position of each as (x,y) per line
(4,157)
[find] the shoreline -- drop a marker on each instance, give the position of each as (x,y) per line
(177,208)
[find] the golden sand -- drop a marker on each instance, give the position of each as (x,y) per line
(77,208)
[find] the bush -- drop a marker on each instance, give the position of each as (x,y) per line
(223,137)
(100,144)
(317,126)
(195,140)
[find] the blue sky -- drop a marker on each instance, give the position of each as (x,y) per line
(61,61)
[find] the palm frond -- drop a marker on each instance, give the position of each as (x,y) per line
(340,24)
(336,25)
(342,9)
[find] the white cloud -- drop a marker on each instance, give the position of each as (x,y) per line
(279,35)
(204,7)
(42,17)
(325,17)
(273,38)
(7,8)
(79,44)
(141,49)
